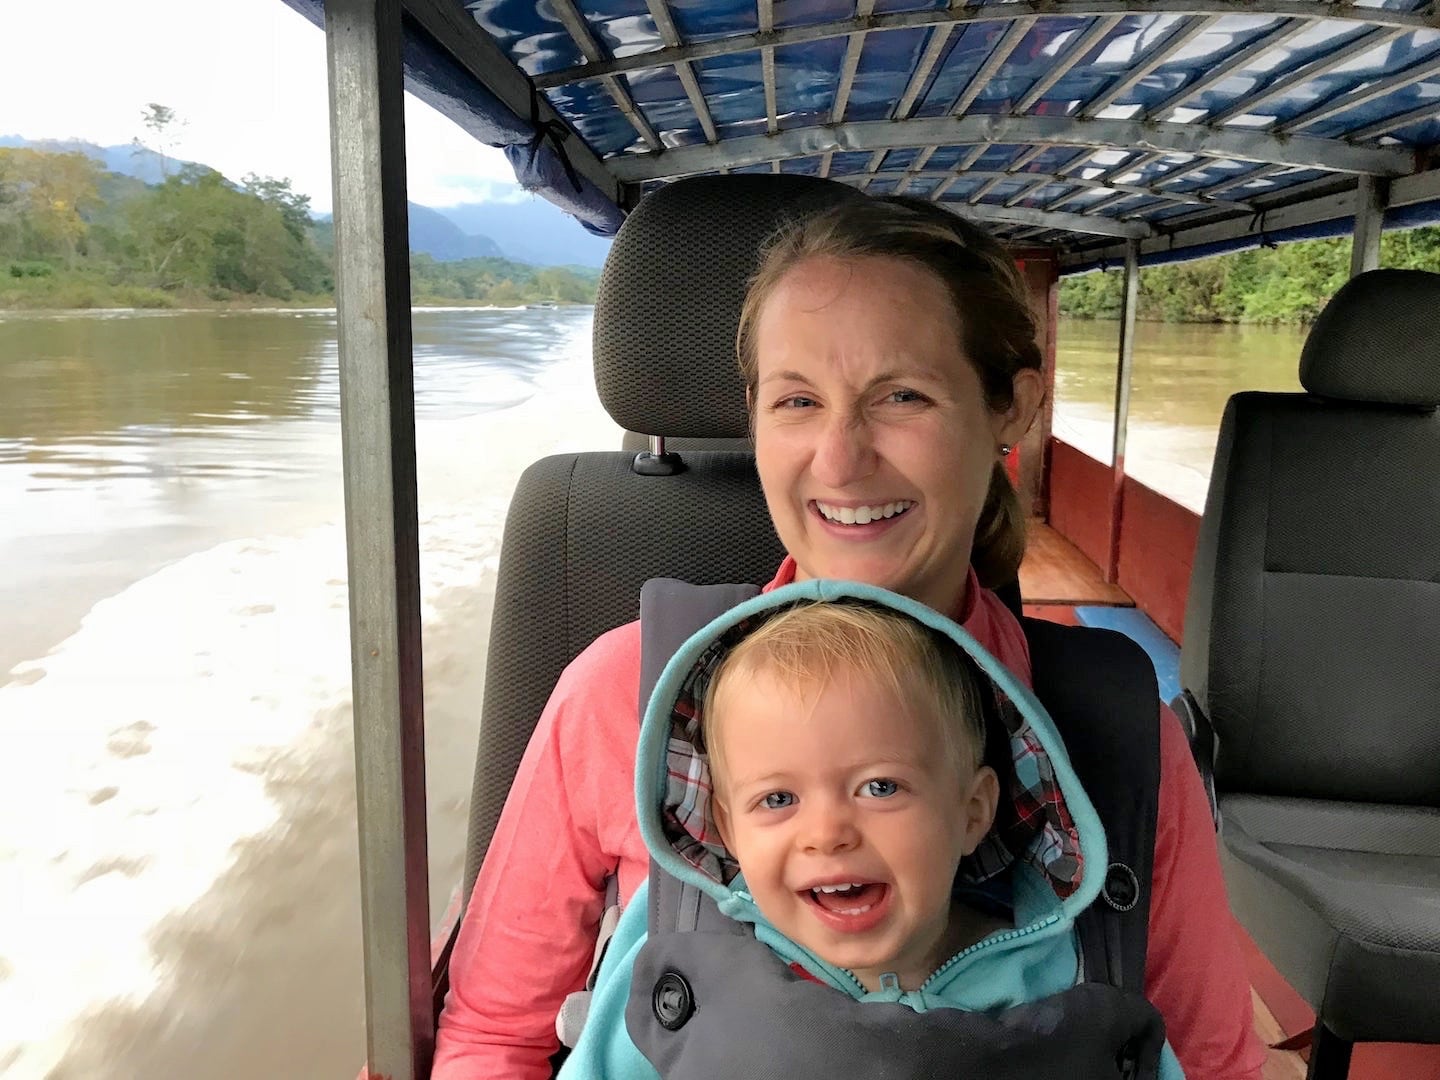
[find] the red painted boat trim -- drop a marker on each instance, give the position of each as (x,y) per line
(1080,500)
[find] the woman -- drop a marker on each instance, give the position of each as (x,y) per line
(889,360)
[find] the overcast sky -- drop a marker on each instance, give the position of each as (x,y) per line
(246,76)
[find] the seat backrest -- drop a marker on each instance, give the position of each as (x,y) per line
(585,531)
(1312,631)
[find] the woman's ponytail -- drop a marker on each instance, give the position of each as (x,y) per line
(999,534)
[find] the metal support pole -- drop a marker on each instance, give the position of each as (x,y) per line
(1123,369)
(377,401)
(1043,277)
(1372,195)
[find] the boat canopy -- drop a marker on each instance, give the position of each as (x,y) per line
(1190,126)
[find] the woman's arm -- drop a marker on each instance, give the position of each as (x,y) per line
(528,934)
(1194,971)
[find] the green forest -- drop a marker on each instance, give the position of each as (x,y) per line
(73,235)
(1286,284)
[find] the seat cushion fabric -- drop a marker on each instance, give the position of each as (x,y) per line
(669,301)
(635,442)
(1378,340)
(1345,900)
(1324,626)
(583,534)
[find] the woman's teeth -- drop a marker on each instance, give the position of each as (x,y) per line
(862,515)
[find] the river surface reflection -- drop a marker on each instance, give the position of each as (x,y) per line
(178,867)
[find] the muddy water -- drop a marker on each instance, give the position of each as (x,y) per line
(178,867)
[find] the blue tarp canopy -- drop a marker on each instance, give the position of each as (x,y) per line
(1075,124)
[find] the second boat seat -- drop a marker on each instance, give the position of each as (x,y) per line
(1312,648)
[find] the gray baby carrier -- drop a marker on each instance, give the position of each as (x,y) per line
(708,1001)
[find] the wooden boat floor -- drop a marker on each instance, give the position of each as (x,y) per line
(1055,571)
(1279,1064)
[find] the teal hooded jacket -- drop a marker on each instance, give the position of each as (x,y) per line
(1054,865)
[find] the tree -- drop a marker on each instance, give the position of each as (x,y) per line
(44,200)
(294,208)
(162,120)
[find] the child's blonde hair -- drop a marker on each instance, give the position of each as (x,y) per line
(808,643)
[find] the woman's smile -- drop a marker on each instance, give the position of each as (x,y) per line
(862,520)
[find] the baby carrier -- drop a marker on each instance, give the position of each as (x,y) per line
(708,1000)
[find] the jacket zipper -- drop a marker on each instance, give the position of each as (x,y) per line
(970,950)
(984,943)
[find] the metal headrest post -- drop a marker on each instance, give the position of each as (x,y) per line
(655,461)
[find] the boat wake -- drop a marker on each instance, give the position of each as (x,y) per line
(178,867)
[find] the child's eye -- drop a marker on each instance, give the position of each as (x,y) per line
(778,800)
(881,789)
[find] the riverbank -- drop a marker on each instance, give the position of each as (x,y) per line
(61,296)
(1283,286)
(87,292)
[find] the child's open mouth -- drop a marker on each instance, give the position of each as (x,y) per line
(853,906)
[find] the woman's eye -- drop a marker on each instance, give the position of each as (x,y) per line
(799,401)
(881,789)
(906,397)
(778,800)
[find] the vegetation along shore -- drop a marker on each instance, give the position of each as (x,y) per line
(75,235)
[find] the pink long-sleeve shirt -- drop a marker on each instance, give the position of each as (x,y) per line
(528,933)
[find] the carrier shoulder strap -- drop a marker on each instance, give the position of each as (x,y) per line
(670,612)
(1100,688)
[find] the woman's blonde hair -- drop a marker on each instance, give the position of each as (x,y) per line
(806,645)
(997,329)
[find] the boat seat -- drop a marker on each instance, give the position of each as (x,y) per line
(1312,660)
(585,531)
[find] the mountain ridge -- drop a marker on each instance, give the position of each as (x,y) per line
(530,230)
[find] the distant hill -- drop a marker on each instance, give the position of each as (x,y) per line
(433,233)
(137,162)
(533,231)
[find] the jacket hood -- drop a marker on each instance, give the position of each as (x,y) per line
(1046,829)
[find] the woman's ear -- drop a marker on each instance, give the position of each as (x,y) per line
(1028,393)
(981,799)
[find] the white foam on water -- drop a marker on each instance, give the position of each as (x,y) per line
(133,757)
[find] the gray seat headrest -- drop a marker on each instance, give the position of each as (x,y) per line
(1378,340)
(669,299)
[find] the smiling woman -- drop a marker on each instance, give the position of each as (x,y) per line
(888,354)
(890,360)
